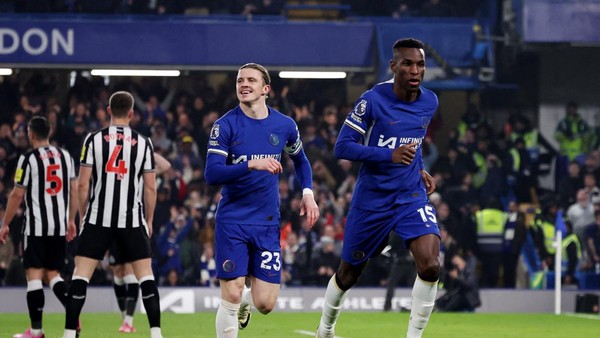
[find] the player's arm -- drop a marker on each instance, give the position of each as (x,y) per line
(83,189)
(73,204)
(349,146)
(149,168)
(304,173)
(149,198)
(162,164)
(14,201)
(426,177)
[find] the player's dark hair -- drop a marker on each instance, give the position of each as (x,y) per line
(408,43)
(120,103)
(261,69)
(40,127)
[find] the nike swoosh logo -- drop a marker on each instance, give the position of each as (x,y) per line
(394,122)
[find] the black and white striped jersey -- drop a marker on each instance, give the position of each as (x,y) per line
(119,156)
(46,173)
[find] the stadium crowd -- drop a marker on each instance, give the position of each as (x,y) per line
(483,169)
(387,8)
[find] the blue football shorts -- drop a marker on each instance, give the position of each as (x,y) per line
(367,231)
(248,249)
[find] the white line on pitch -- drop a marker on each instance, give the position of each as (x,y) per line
(310,333)
(590,316)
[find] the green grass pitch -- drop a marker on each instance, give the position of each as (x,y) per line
(350,325)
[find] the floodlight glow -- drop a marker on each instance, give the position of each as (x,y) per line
(134,72)
(5,71)
(311,75)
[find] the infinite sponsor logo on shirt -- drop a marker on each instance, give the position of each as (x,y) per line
(214,132)
(391,142)
(243,158)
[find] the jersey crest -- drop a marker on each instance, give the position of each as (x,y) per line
(273,139)
(214,132)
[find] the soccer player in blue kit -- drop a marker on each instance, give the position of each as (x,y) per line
(244,154)
(385,131)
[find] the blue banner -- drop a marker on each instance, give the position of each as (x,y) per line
(575,21)
(185,43)
(452,39)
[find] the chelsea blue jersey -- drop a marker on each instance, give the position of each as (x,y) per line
(380,123)
(250,197)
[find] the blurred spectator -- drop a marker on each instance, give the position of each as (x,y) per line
(101,121)
(573,135)
(491,222)
(437,8)
(581,213)
(187,159)
(568,187)
(314,144)
(172,279)
(430,153)
(202,134)
(543,230)
(208,269)
(402,271)
(462,290)
(263,7)
(169,241)
(518,169)
(591,188)
(495,183)
(571,256)
(591,164)
(453,166)
(289,251)
(514,236)
(325,262)
(591,240)
(7,252)
(162,144)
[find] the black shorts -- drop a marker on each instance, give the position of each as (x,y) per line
(133,243)
(44,252)
(115,256)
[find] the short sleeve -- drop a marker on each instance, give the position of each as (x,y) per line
(22,172)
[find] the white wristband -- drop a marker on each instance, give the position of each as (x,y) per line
(307,191)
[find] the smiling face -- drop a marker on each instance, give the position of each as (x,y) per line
(250,85)
(408,66)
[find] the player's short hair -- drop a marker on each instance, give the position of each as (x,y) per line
(40,127)
(261,69)
(406,43)
(120,103)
